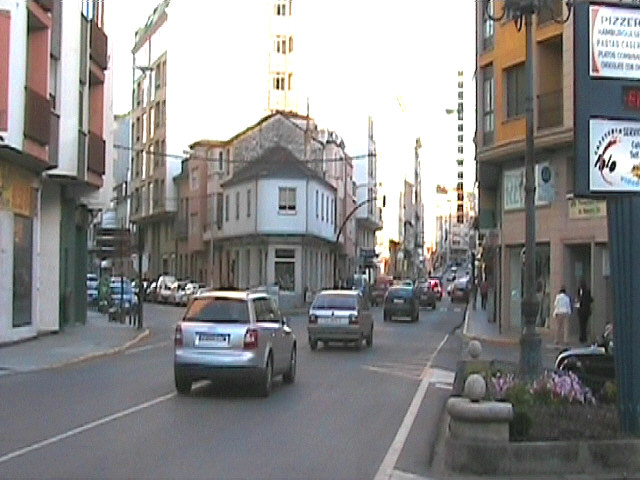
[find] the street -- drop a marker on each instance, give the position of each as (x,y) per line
(119,416)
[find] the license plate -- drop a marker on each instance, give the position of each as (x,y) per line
(212,340)
(332,320)
(398,300)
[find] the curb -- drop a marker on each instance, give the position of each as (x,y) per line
(88,356)
(498,341)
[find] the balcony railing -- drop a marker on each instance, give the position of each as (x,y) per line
(550,110)
(96,153)
(37,121)
(98,46)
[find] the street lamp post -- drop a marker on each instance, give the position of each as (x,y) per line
(530,342)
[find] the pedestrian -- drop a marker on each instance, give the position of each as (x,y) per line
(561,312)
(484,293)
(583,305)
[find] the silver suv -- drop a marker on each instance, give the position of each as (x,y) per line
(233,335)
(340,316)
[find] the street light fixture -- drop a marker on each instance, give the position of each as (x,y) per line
(530,342)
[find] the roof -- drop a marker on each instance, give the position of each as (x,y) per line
(232,294)
(340,292)
(277,161)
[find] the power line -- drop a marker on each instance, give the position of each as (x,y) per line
(213,160)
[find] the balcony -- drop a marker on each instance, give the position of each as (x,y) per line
(96,154)
(550,110)
(98,46)
(37,119)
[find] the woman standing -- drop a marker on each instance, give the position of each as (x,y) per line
(561,312)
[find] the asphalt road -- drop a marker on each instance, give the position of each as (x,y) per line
(350,414)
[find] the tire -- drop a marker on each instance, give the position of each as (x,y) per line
(183,384)
(369,338)
(266,382)
(385,317)
(290,375)
(313,344)
(416,317)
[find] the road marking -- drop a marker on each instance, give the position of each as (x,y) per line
(389,462)
(85,427)
(391,371)
(146,347)
(457,309)
(444,386)
(400,475)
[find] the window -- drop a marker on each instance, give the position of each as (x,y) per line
(322,207)
(285,259)
(195,180)
(286,200)
(237,205)
(220,161)
(248,203)
(219,207)
(290,80)
(226,208)
(460,95)
(488,105)
(327,210)
(461,127)
(488,27)
(281,9)
(279,82)
(460,138)
(516,90)
(460,149)
(290,44)
(317,213)
(280,45)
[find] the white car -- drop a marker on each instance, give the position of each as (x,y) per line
(163,288)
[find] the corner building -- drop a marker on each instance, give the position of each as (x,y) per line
(571,233)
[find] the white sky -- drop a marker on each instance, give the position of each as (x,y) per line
(354,58)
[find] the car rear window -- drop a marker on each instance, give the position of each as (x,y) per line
(401,292)
(335,302)
(218,310)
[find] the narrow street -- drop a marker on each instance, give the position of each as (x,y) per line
(350,414)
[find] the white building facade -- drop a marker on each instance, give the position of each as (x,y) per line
(279,227)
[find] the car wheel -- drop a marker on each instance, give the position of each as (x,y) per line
(313,343)
(183,384)
(416,317)
(369,338)
(266,382)
(290,375)
(385,317)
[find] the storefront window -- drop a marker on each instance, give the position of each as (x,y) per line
(22,270)
(285,269)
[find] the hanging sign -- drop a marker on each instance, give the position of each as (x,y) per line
(614,155)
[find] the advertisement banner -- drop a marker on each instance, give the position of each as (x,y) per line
(584,208)
(614,42)
(513,187)
(614,155)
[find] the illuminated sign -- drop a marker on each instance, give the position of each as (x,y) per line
(614,42)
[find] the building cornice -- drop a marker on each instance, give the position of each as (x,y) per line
(551,138)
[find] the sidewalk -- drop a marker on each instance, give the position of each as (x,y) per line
(504,344)
(73,344)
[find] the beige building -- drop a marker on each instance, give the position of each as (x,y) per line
(571,234)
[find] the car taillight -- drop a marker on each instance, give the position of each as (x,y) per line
(251,338)
(353,319)
(313,319)
(178,339)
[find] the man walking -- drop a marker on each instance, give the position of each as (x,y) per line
(561,312)
(583,304)
(484,293)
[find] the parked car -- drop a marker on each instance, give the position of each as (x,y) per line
(459,290)
(436,286)
(451,277)
(163,288)
(426,296)
(193,288)
(122,294)
(401,303)
(233,334)
(340,316)
(594,365)
(92,289)
(380,288)
(150,293)
(178,294)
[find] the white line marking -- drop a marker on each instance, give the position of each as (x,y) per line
(400,475)
(85,427)
(146,347)
(390,371)
(444,386)
(389,462)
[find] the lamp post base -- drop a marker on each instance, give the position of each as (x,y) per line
(530,355)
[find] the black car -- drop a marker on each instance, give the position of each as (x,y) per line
(401,302)
(426,295)
(593,365)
